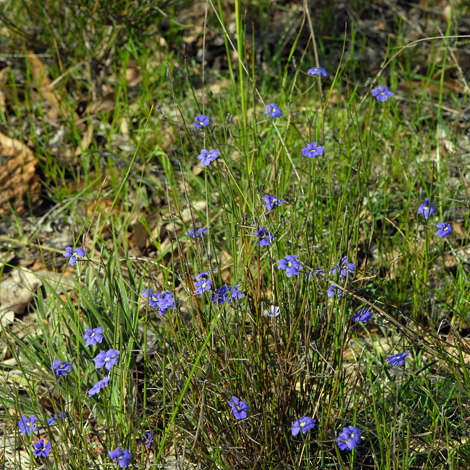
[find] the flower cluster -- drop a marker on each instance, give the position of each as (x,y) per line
(427,209)
(226,294)
(163,301)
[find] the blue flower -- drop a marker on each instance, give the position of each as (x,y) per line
(100,385)
(220,296)
(444,229)
(235,293)
(349,439)
(26,425)
(344,267)
(265,238)
(312,150)
(93,336)
(273,312)
(200,231)
(203,285)
(363,315)
(204,274)
(382,93)
(426,209)
(272,201)
(74,254)
(314,273)
(207,157)
(61,368)
(156,299)
(60,417)
(122,457)
(273,110)
(303,424)
(239,408)
(290,264)
(107,359)
(317,71)
(397,359)
(334,290)
(41,448)
(201,121)
(148,438)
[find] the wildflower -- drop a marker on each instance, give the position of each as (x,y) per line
(201,121)
(426,209)
(235,293)
(107,359)
(382,93)
(273,110)
(26,425)
(207,157)
(100,385)
(349,438)
(148,439)
(317,71)
(273,312)
(397,359)
(41,448)
(156,299)
(343,267)
(312,150)
(334,290)
(200,231)
(61,368)
(203,285)
(74,254)
(363,315)
(239,408)
(272,201)
(290,264)
(204,274)
(220,296)
(122,457)
(303,424)
(265,238)
(314,273)
(444,229)
(93,336)
(52,421)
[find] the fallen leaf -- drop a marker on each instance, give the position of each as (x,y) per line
(18,291)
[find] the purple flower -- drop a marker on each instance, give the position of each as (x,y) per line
(317,71)
(363,315)
(290,264)
(334,290)
(397,359)
(201,121)
(100,385)
(382,93)
(60,417)
(314,273)
(41,448)
(272,201)
(234,293)
(203,285)
(239,408)
(74,254)
(349,439)
(444,229)
(26,425)
(274,311)
(148,439)
(426,209)
(220,296)
(200,231)
(303,424)
(122,457)
(156,299)
(265,238)
(204,274)
(93,336)
(343,267)
(273,110)
(207,157)
(61,368)
(312,150)
(107,359)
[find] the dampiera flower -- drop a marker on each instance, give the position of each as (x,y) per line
(444,229)
(273,110)
(200,231)
(60,417)
(122,457)
(382,93)
(203,285)
(349,439)
(274,311)
(148,439)
(93,336)
(26,425)
(107,359)
(290,264)
(426,209)
(317,71)
(334,290)
(343,267)
(272,201)
(239,408)
(265,238)
(201,121)
(41,448)
(303,424)
(157,300)
(363,315)
(100,385)
(234,293)
(220,296)
(312,150)
(74,254)
(397,359)
(61,368)
(207,157)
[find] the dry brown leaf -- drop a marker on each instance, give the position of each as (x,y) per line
(87,138)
